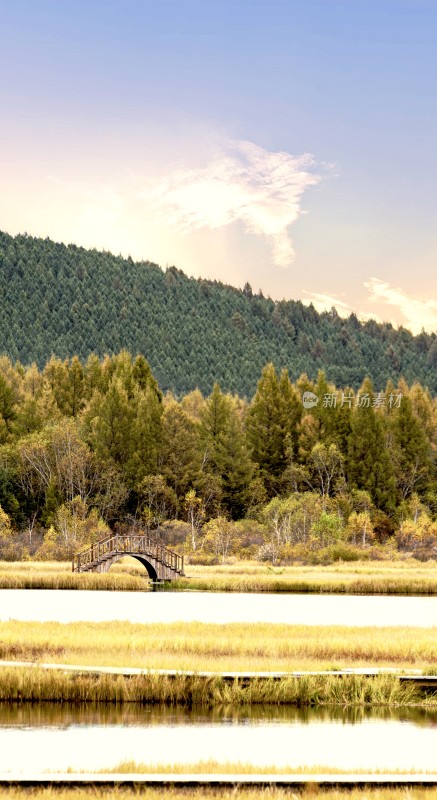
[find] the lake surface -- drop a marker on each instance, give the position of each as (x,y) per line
(297,609)
(36,738)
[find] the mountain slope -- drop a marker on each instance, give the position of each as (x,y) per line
(68,300)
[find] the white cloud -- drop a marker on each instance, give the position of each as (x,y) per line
(417,313)
(243,182)
(384,302)
(324,302)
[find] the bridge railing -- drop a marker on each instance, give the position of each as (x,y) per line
(141,544)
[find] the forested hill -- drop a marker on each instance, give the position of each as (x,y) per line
(67,300)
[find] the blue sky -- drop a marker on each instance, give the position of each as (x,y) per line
(290,144)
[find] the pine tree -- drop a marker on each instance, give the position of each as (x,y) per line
(369,466)
(180,457)
(271,424)
(410,449)
(234,466)
(215,418)
(8,409)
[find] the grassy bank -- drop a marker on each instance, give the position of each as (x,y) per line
(376,577)
(224,793)
(233,647)
(21,684)
(58,575)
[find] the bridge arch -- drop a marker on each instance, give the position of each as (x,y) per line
(160,563)
(151,571)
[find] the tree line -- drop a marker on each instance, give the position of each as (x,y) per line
(303,470)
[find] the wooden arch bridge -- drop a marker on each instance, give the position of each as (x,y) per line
(161,563)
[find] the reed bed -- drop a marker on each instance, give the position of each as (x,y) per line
(20,684)
(63,579)
(408,577)
(242,793)
(213,767)
(276,585)
(207,646)
(400,578)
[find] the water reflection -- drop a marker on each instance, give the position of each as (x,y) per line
(64,715)
(58,737)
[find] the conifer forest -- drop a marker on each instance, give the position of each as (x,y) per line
(225,423)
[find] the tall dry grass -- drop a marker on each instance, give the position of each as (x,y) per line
(400,577)
(53,575)
(19,684)
(232,647)
(213,767)
(222,793)
(369,577)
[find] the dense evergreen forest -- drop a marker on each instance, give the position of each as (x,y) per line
(302,471)
(65,300)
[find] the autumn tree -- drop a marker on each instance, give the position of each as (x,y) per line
(326,465)
(195,514)
(219,537)
(158,501)
(6,548)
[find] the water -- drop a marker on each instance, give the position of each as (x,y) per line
(39,738)
(297,609)
(36,738)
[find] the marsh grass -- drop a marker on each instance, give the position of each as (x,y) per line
(53,575)
(213,767)
(242,793)
(371,577)
(267,583)
(20,684)
(211,647)
(408,577)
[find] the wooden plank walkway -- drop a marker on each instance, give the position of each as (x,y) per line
(111,780)
(128,672)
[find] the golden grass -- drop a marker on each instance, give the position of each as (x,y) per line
(213,767)
(368,577)
(59,575)
(242,793)
(21,684)
(207,646)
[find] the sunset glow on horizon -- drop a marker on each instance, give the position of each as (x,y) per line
(287,144)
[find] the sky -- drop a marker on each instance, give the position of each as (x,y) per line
(290,144)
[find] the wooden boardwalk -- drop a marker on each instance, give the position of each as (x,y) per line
(161,563)
(245,678)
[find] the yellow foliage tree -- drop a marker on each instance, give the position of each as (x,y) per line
(359,529)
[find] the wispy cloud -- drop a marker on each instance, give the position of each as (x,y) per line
(242,183)
(384,302)
(418,314)
(324,302)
